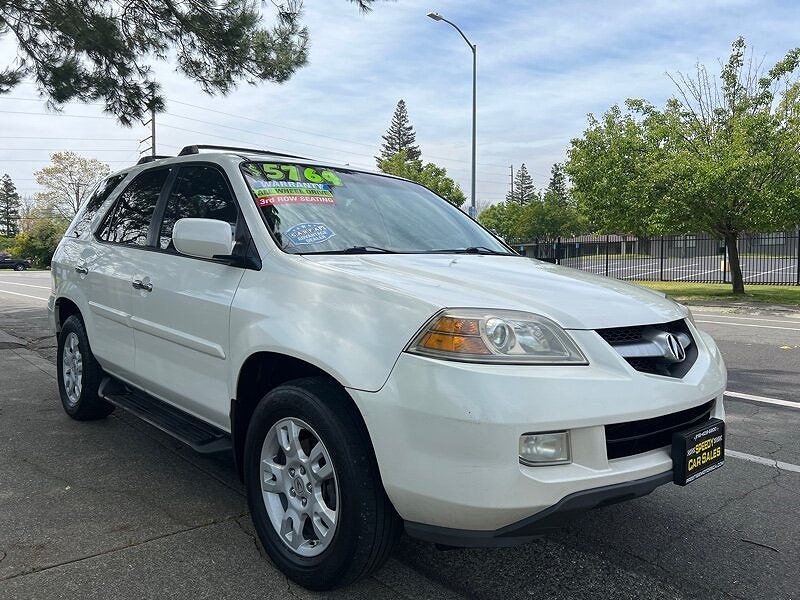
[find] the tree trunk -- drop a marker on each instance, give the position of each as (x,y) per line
(731,241)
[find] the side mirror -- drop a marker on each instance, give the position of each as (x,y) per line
(203,238)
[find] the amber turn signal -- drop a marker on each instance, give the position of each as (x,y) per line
(447,324)
(445,342)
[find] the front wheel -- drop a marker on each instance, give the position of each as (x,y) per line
(79,374)
(313,486)
(19,267)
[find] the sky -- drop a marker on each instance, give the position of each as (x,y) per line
(542,67)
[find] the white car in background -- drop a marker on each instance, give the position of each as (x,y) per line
(374,359)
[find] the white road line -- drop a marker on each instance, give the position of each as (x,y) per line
(763,461)
(749,325)
(763,399)
(44,287)
(696,274)
(23,295)
(757,273)
(719,316)
(659,270)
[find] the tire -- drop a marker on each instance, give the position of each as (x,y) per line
(19,267)
(366,524)
(79,375)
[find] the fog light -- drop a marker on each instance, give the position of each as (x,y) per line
(536,449)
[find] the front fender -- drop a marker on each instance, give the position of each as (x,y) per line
(352,331)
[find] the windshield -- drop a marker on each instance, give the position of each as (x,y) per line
(313,209)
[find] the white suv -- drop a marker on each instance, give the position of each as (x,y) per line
(374,359)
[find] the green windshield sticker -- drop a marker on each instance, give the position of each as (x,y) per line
(270,193)
(294,173)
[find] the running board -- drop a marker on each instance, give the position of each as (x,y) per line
(190,430)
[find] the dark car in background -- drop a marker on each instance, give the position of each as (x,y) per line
(18,264)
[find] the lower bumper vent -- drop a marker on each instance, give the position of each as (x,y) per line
(635,437)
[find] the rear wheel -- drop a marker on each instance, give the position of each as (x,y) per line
(19,267)
(79,374)
(313,486)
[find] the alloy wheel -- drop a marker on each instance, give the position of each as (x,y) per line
(72,368)
(299,487)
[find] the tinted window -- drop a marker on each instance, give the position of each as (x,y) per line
(93,204)
(200,193)
(129,219)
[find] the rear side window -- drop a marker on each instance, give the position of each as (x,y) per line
(93,204)
(200,193)
(129,220)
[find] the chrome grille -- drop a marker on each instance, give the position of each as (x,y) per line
(643,347)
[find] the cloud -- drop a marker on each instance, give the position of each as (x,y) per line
(542,67)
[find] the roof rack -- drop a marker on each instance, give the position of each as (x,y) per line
(147,159)
(195,149)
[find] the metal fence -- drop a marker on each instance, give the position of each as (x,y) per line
(766,258)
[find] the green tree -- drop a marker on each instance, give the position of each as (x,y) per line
(550,215)
(39,241)
(506,220)
(67,179)
(494,219)
(558,182)
(523,190)
(549,219)
(9,207)
(91,50)
(399,137)
(428,174)
(721,157)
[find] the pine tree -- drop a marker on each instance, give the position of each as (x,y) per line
(558,182)
(9,207)
(399,136)
(524,191)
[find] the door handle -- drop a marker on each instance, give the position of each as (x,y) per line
(81,269)
(138,284)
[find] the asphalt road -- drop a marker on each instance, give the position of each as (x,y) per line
(755,269)
(117,509)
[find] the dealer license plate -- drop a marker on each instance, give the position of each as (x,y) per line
(698,451)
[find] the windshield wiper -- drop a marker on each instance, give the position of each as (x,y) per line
(366,249)
(473,250)
(356,250)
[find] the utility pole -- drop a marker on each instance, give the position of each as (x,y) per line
(152,123)
(153,130)
(512,180)
(77,197)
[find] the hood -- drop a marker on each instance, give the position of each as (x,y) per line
(574,299)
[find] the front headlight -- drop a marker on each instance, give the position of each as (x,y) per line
(496,336)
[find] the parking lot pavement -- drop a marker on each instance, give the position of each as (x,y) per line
(775,269)
(117,509)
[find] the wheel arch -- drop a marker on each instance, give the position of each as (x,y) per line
(64,309)
(264,371)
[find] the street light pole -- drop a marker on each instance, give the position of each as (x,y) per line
(474,209)
(474,48)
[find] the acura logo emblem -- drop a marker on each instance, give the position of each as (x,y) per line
(674,351)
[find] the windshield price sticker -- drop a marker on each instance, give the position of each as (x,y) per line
(294,173)
(698,451)
(309,233)
(269,193)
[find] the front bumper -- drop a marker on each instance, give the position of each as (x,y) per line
(554,517)
(446,434)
